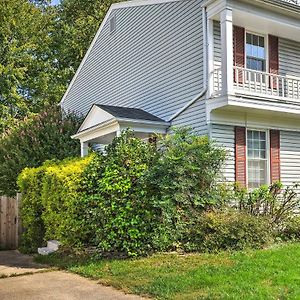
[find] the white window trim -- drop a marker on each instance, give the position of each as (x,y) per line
(267,131)
(266,45)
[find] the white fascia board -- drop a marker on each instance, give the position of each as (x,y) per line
(141,3)
(108,124)
(144,122)
(117,123)
(112,7)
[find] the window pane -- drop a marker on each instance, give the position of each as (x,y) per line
(262,135)
(257,173)
(249,50)
(257,162)
(248,38)
(261,41)
(255,52)
(255,40)
(261,52)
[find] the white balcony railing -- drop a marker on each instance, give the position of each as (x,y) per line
(296,2)
(258,83)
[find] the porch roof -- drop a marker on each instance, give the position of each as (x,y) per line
(104,122)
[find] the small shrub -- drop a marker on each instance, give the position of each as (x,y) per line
(291,229)
(227,230)
(272,201)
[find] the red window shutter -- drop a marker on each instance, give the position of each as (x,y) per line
(238,50)
(275,155)
(240,155)
(273,58)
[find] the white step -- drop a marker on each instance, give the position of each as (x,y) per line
(53,245)
(45,251)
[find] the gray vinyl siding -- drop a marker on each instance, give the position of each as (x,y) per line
(153,61)
(194,117)
(289,57)
(223,135)
(290,157)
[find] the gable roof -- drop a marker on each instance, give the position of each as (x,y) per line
(129,113)
(113,7)
(102,114)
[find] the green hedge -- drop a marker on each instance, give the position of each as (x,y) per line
(51,203)
(137,198)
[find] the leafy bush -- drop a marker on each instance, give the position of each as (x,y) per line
(51,203)
(182,183)
(226,230)
(42,137)
(122,215)
(30,182)
(131,200)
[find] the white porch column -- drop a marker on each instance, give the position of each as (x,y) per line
(227,51)
(84,148)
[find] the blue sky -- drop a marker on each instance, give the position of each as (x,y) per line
(54,2)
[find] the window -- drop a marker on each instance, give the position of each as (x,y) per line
(255,52)
(112,24)
(257,158)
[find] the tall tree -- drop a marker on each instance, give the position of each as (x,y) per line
(41,46)
(24,59)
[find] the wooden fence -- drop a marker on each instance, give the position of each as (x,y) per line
(10,225)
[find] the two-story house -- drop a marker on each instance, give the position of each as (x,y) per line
(229,69)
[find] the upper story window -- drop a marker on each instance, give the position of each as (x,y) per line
(112,24)
(255,52)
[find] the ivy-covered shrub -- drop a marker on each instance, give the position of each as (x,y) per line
(121,214)
(51,203)
(38,138)
(226,230)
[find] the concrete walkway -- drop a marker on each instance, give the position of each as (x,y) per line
(15,263)
(59,286)
(33,282)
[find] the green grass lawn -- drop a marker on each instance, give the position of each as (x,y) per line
(264,274)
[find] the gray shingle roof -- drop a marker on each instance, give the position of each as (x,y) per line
(129,113)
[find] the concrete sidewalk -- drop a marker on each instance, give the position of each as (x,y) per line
(33,282)
(57,285)
(15,263)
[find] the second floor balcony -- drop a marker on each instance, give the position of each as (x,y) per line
(260,84)
(254,55)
